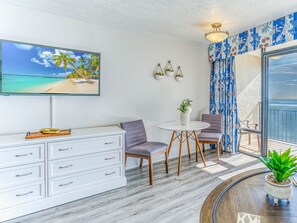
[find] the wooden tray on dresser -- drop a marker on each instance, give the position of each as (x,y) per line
(36,135)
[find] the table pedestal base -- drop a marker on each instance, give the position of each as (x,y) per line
(188,135)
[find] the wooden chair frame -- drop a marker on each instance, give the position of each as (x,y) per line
(218,143)
(150,162)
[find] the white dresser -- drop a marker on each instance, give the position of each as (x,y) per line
(42,173)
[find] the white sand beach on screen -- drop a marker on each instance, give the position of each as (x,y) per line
(75,86)
(68,86)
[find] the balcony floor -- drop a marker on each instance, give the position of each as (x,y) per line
(272,145)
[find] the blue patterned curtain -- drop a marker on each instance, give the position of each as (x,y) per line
(223,99)
(272,33)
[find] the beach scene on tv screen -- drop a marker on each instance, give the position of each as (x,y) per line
(38,69)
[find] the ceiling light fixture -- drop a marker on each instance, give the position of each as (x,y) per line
(216,35)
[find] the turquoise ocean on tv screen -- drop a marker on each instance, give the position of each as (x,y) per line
(19,83)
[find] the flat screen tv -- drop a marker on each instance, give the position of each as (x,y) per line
(36,69)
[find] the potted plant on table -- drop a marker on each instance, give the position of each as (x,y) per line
(278,183)
(185,109)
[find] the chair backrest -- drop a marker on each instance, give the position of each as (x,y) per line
(215,121)
(135,133)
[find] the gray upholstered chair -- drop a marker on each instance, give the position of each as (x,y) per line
(137,146)
(213,134)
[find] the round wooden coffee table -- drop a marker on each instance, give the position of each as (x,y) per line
(242,199)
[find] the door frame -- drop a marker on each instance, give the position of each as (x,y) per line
(265,55)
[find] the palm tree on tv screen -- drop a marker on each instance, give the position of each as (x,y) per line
(64,59)
(93,63)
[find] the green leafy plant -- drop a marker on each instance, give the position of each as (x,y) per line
(282,165)
(168,70)
(184,105)
(159,73)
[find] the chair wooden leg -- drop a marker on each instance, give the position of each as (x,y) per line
(188,144)
(126,157)
(166,161)
(170,144)
(221,146)
(150,170)
(180,153)
(171,141)
(218,152)
(203,147)
(196,152)
(141,161)
(200,151)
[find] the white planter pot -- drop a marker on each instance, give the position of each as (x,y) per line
(184,118)
(158,77)
(178,79)
(278,191)
(169,73)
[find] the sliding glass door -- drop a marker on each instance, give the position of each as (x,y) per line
(279,100)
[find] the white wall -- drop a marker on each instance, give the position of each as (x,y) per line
(248,77)
(128,89)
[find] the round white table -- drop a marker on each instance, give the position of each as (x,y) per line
(178,131)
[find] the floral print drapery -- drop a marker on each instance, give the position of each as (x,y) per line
(221,56)
(223,100)
(269,34)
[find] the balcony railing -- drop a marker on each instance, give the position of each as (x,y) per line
(282,123)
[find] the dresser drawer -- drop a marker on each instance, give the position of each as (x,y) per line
(19,195)
(83,163)
(81,147)
(78,181)
(21,174)
(21,155)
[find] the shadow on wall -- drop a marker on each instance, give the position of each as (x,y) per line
(248,71)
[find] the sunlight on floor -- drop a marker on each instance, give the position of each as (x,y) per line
(212,167)
(227,176)
(238,159)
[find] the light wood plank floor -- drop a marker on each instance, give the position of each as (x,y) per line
(171,199)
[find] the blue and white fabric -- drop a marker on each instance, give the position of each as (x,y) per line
(223,99)
(269,34)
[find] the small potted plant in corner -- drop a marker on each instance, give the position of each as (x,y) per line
(185,109)
(278,183)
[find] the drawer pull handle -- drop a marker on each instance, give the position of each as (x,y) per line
(108,143)
(22,175)
(109,158)
(65,149)
(107,174)
(63,167)
(63,185)
(21,155)
(20,195)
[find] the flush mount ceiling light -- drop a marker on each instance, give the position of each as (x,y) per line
(216,35)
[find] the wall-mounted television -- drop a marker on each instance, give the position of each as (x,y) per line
(36,69)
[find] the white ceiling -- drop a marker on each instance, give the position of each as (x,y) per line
(181,19)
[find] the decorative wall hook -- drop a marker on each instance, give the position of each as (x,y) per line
(179,74)
(169,71)
(159,73)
